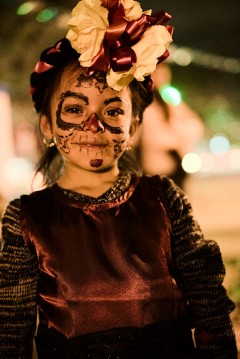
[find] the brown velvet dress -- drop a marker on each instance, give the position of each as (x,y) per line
(113,277)
(103,266)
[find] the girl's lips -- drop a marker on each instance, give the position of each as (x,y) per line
(93,146)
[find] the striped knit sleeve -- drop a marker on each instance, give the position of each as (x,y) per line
(201,269)
(18,282)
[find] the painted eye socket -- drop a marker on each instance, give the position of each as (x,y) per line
(72,113)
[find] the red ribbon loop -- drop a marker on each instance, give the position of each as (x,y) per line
(135,28)
(123,59)
(55,49)
(114,32)
(42,66)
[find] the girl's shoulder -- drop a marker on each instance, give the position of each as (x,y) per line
(162,181)
(164,186)
(12,212)
(169,193)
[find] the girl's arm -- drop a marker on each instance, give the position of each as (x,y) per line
(201,269)
(18,285)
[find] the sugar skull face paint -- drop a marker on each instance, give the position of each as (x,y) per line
(96,163)
(90,121)
(97,80)
(68,113)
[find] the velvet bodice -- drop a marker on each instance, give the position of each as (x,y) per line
(102,265)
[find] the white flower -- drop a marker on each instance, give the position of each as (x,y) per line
(148,49)
(88,25)
(133,10)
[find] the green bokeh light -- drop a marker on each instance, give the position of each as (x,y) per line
(170,95)
(25,8)
(46,14)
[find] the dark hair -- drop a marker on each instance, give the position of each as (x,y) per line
(52,60)
(45,83)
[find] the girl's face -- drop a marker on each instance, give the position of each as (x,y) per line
(91,123)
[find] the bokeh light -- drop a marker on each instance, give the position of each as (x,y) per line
(170,94)
(219,144)
(25,8)
(208,162)
(182,57)
(46,14)
(234,159)
(16,170)
(30,6)
(191,163)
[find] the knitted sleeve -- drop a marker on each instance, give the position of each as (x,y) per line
(19,275)
(201,269)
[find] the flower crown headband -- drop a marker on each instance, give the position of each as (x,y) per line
(114,36)
(117,37)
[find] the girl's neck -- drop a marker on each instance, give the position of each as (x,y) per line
(89,183)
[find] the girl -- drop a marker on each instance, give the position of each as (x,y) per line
(113,262)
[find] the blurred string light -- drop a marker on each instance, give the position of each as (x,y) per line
(170,94)
(184,56)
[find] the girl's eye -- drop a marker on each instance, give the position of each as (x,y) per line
(114,112)
(73,110)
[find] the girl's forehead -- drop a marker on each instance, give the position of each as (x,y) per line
(91,86)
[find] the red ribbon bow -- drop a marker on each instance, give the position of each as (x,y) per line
(116,51)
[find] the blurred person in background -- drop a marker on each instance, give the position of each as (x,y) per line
(168,132)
